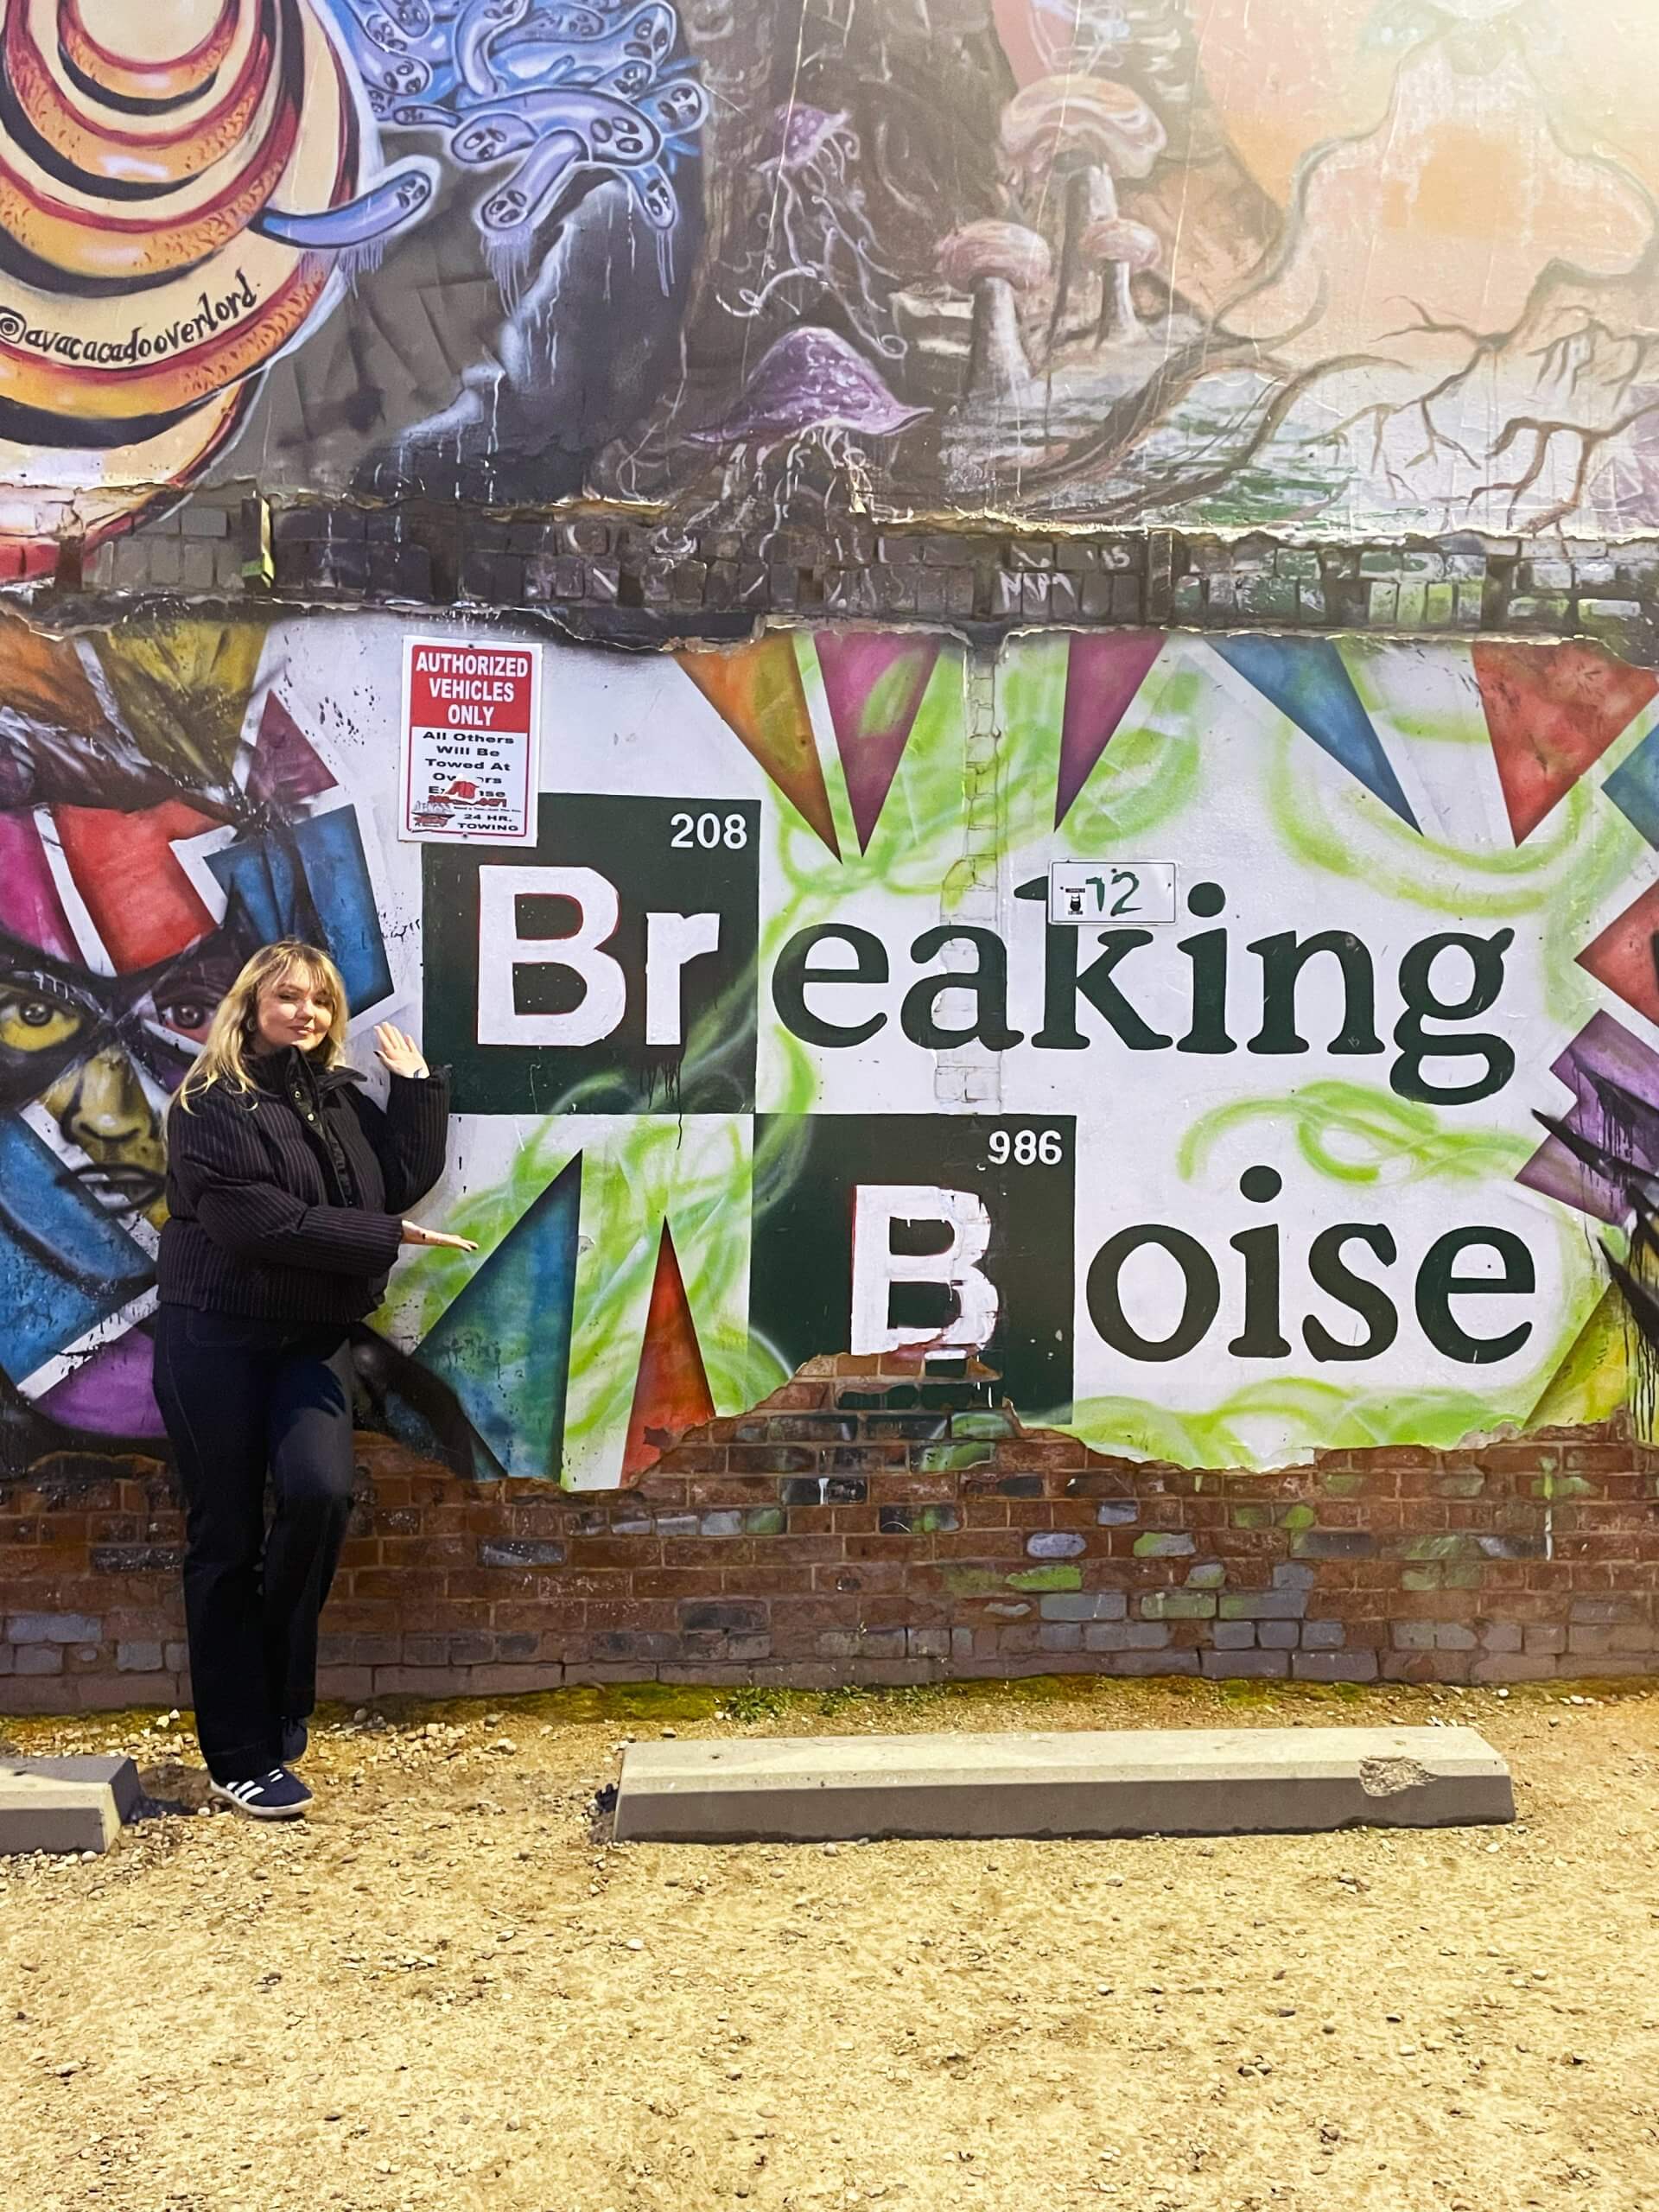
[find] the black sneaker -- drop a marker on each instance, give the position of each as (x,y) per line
(278,1795)
(296,1737)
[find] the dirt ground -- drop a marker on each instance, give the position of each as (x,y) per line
(443,1991)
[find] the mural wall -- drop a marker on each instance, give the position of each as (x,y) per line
(1229,1048)
(1365,265)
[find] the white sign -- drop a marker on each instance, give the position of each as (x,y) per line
(471,742)
(1080,892)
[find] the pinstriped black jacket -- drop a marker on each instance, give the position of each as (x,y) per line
(286,1202)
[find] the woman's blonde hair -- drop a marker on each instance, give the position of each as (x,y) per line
(234,1029)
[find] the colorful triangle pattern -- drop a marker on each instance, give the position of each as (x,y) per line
(1551,711)
(1104,670)
(874,683)
(142,903)
(1625,956)
(757,692)
(1634,788)
(183,687)
(1308,680)
(65,1266)
(285,768)
(30,907)
(111,1391)
(1613,1080)
(1593,1379)
(671,1392)
(503,1346)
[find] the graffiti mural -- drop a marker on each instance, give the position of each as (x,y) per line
(1260,1055)
(161,815)
(1378,264)
(1383,263)
(197,196)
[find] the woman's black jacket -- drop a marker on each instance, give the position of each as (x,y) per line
(286,1201)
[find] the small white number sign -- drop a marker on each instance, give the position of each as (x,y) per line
(1103,891)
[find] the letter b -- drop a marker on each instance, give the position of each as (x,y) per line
(502,951)
(877,1267)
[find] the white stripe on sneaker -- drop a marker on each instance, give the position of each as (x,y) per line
(277,1795)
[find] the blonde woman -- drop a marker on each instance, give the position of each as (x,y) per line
(286,1189)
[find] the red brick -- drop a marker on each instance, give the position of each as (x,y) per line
(410,1568)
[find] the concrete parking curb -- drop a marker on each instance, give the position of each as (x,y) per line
(1194,1781)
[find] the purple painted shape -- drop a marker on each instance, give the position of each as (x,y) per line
(285,767)
(810,379)
(30,908)
(799,134)
(109,1394)
(1603,1047)
(1103,672)
(874,685)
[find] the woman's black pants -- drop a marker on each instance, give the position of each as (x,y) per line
(243,1399)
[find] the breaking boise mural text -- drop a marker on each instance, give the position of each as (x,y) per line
(1232,1049)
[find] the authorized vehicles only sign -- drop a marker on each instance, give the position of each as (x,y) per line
(470,728)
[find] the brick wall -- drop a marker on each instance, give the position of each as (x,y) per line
(885,1524)
(614,573)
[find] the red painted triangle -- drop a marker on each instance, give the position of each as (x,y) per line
(1103,671)
(873,682)
(1624,957)
(285,768)
(1552,712)
(671,1393)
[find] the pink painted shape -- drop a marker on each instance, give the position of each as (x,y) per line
(1104,671)
(1017,35)
(30,908)
(874,686)
(110,1393)
(285,766)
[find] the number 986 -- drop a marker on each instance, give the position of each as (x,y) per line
(1025,1147)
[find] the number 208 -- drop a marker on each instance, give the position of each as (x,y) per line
(708,830)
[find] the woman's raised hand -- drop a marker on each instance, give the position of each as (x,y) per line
(398,1051)
(414,1234)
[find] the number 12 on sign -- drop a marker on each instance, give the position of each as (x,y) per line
(1081,892)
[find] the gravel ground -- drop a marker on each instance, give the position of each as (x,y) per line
(447,1989)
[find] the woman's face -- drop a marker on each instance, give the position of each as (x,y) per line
(292,1009)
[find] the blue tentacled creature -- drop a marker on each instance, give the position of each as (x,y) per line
(392,202)
(559,89)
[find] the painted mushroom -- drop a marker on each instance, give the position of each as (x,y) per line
(1121,249)
(995,261)
(809,381)
(798,426)
(1087,132)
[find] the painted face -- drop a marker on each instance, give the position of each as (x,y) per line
(293,1009)
(99,1054)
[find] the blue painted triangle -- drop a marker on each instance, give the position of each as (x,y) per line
(64,1265)
(1306,679)
(504,1347)
(313,881)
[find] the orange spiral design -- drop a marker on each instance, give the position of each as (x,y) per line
(134,284)
(157,81)
(132,247)
(97,150)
